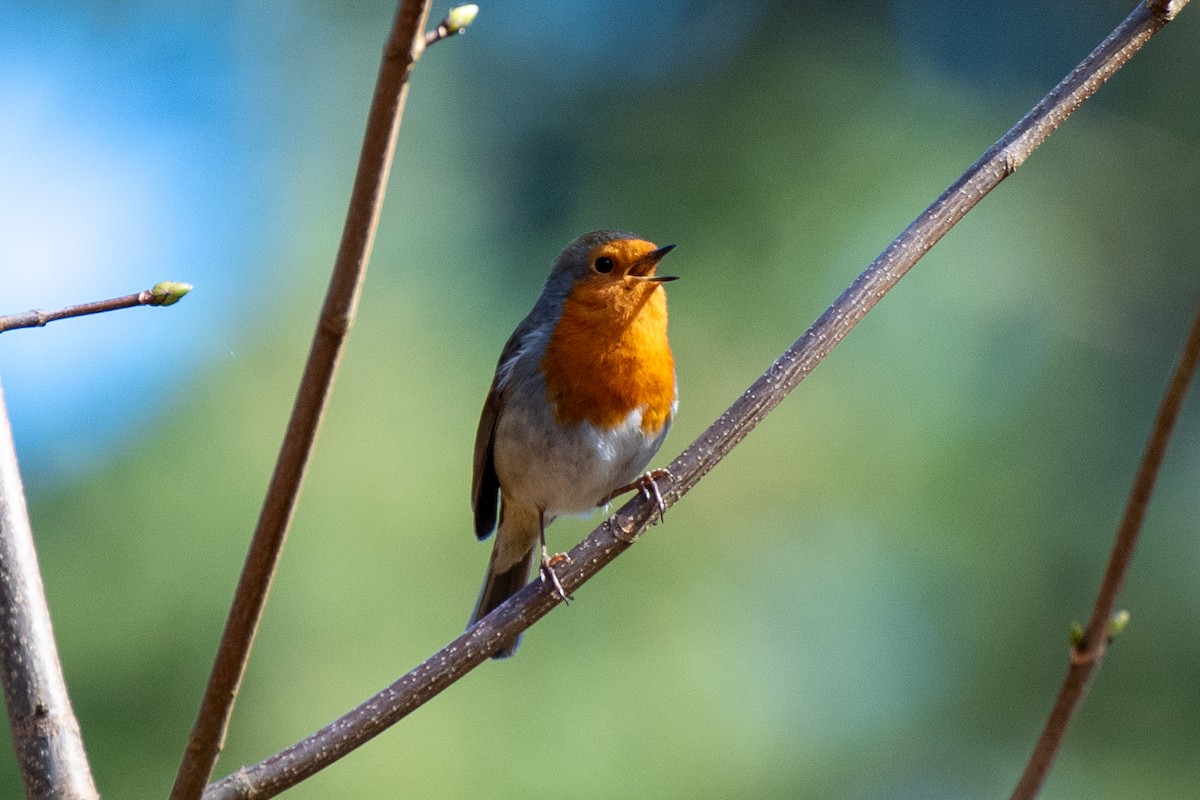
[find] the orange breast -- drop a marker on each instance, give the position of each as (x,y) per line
(609,355)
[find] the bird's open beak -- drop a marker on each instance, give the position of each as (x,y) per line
(648,262)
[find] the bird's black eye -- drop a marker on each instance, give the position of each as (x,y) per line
(603,264)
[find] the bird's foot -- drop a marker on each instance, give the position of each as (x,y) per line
(647,484)
(549,562)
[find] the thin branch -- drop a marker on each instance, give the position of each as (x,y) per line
(404,44)
(166,293)
(1087,653)
(45,733)
(292,765)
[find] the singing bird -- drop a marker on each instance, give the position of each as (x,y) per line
(583,396)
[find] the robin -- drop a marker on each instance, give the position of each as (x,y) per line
(583,396)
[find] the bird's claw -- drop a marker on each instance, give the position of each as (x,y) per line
(549,562)
(648,485)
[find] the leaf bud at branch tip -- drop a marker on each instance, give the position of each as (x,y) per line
(460,17)
(168,293)
(1076,635)
(1117,623)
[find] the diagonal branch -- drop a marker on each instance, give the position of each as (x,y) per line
(166,293)
(404,45)
(292,765)
(1087,653)
(45,733)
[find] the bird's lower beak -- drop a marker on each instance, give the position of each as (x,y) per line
(646,264)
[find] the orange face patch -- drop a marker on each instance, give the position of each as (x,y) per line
(609,354)
(625,255)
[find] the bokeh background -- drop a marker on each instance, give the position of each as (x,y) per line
(869,599)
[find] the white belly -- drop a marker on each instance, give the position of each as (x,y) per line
(567,470)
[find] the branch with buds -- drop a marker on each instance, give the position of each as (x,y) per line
(166,293)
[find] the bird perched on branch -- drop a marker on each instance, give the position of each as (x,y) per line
(583,396)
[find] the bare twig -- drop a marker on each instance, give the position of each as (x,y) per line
(161,294)
(404,44)
(286,768)
(1087,653)
(45,733)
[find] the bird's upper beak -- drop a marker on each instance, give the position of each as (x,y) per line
(645,265)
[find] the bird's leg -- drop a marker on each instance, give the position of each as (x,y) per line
(647,484)
(549,561)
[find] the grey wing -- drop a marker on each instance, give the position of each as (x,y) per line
(485,484)
(528,341)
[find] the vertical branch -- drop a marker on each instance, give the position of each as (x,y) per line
(1087,653)
(45,733)
(404,45)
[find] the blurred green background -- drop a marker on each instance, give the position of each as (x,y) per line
(869,599)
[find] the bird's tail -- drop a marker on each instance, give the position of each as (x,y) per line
(498,586)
